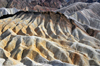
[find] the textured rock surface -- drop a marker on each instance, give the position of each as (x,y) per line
(87,1)
(5,11)
(46,39)
(86,16)
(30,4)
(46,5)
(39,8)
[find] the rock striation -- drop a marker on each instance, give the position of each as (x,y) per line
(30,4)
(46,39)
(85,14)
(46,5)
(87,1)
(6,11)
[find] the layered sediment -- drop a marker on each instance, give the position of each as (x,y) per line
(46,39)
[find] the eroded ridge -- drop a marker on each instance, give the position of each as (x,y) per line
(45,38)
(85,15)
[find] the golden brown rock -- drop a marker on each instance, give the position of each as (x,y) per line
(36,37)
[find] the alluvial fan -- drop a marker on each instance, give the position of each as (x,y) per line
(45,39)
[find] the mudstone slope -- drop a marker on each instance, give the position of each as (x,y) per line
(48,5)
(46,39)
(85,15)
(86,1)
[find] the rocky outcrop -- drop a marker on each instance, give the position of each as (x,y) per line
(30,4)
(39,8)
(68,2)
(47,5)
(5,11)
(46,39)
(85,15)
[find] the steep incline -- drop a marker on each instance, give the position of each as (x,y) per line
(30,4)
(46,39)
(5,11)
(88,1)
(85,14)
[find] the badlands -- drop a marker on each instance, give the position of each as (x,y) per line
(69,36)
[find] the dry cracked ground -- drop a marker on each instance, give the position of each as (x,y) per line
(48,39)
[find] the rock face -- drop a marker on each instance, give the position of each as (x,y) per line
(3,3)
(5,11)
(39,8)
(46,39)
(46,5)
(85,14)
(68,2)
(30,4)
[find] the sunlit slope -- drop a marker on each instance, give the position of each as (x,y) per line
(34,38)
